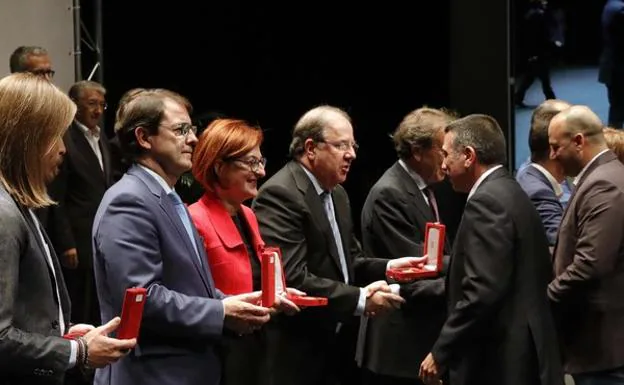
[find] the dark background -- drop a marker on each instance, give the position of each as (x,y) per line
(269,63)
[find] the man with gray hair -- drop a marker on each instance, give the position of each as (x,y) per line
(31,59)
(84,177)
(589,254)
(499,329)
(394,219)
(304,210)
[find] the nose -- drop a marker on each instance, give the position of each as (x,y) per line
(351,154)
(61,147)
(260,172)
(191,138)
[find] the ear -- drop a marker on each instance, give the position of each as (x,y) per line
(471,156)
(143,138)
(218,168)
(417,153)
(309,148)
(578,139)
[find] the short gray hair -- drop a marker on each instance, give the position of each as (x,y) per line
(311,126)
(19,57)
(483,134)
(417,130)
(79,87)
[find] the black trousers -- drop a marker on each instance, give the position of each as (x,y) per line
(537,67)
(615,93)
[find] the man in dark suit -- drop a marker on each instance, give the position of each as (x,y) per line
(612,60)
(589,254)
(499,329)
(34,305)
(84,177)
(542,178)
(143,237)
(304,210)
(394,218)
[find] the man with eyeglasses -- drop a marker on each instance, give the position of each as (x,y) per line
(83,178)
(143,236)
(31,59)
(304,210)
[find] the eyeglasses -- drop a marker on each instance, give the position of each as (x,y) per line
(95,104)
(253,163)
(343,146)
(47,73)
(183,129)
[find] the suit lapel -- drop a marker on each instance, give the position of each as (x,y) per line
(85,150)
(317,210)
(167,206)
(106,159)
(418,201)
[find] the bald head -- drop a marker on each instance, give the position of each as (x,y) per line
(580,120)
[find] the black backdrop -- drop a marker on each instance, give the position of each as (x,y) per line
(269,63)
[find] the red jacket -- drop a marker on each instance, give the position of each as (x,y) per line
(227,254)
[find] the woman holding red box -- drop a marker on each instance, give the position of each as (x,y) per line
(228,163)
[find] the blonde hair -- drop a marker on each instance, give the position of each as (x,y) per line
(615,141)
(34,115)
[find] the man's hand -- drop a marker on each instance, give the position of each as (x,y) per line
(80,329)
(377,286)
(242,313)
(407,262)
(382,301)
(104,350)
(429,372)
(69,258)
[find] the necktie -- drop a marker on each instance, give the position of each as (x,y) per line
(432,203)
(184,217)
(329,210)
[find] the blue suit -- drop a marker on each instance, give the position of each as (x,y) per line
(139,240)
(540,190)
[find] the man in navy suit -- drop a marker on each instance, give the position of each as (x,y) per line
(612,60)
(143,237)
(541,179)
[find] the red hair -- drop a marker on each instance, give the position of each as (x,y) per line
(222,140)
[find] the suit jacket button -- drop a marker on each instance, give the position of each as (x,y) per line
(55,324)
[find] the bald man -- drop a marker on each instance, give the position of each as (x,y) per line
(589,253)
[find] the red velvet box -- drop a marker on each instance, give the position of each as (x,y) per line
(434,249)
(274,283)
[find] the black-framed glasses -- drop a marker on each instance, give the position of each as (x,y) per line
(342,146)
(48,73)
(95,104)
(183,129)
(253,163)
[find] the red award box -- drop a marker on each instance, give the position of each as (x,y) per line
(132,313)
(434,249)
(274,283)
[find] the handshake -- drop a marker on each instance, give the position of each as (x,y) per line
(380,297)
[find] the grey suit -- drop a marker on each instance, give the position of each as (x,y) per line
(31,348)
(589,270)
(140,241)
(499,329)
(393,225)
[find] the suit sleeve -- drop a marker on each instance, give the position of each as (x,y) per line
(488,265)
(598,246)
(397,233)
(61,234)
(282,222)
(127,242)
(550,211)
(22,352)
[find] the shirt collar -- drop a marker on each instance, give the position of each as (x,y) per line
(481,179)
(420,182)
(85,130)
(555,185)
(158,178)
(578,177)
(315,182)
